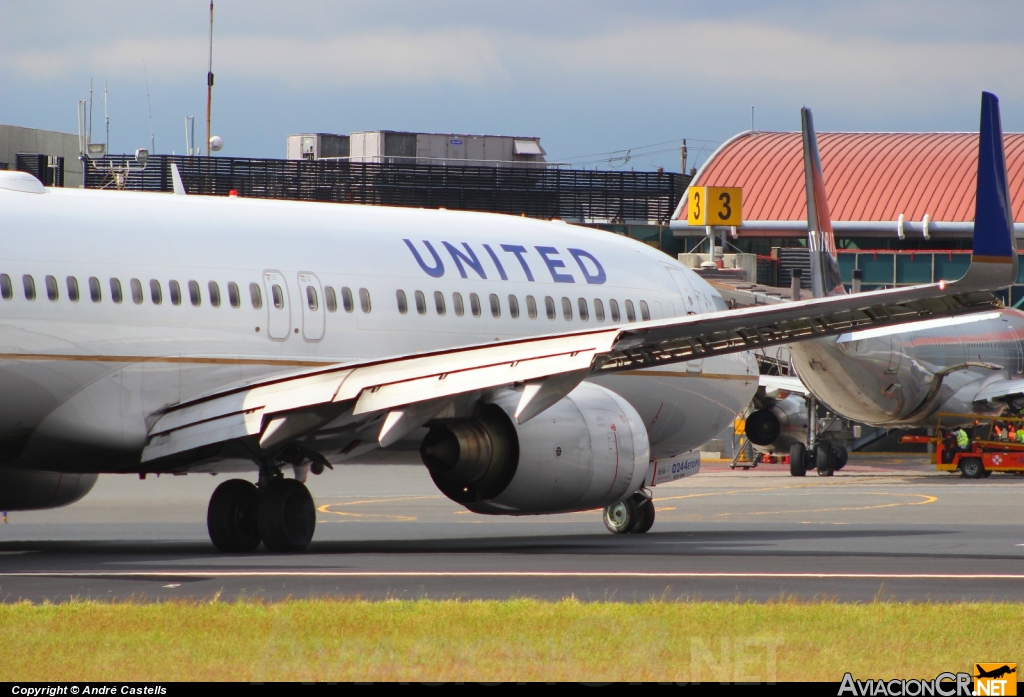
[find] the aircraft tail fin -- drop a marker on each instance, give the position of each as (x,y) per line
(994,248)
(821,242)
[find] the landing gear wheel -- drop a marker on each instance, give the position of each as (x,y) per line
(620,517)
(232,517)
(797,467)
(840,456)
(971,468)
(825,461)
(287,516)
(645,514)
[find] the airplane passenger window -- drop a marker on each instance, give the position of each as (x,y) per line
(421,302)
(403,303)
(495,306)
(567,309)
(175,291)
(598,310)
(156,294)
(460,309)
(584,310)
(645,312)
(531,307)
(72,289)
(630,312)
(330,299)
(115,290)
(613,305)
(214,293)
(276,295)
(255,294)
(474,304)
(346,299)
(312,302)
(549,306)
(233,295)
(193,293)
(95,292)
(364,300)
(136,287)
(29,285)
(439,302)
(513,306)
(51,288)
(6,288)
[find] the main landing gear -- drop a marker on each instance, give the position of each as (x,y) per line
(280,513)
(824,456)
(635,514)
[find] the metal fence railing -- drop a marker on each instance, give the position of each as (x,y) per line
(576,195)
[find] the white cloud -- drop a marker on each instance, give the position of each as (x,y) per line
(459,56)
(707,59)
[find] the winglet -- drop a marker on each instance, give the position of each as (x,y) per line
(821,242)
(179,188)
(994,259)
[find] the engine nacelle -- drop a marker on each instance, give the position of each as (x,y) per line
(779,426)
(589,450)
(27,490)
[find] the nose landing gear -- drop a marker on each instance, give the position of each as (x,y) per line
(635,514)
(280,513)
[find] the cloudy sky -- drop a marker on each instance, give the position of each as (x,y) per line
(587,76)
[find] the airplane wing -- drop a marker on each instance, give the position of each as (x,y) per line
(408,391)
(786,383)
(405,392)
(999,389)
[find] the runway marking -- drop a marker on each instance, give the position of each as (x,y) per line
(927,499)
(327,508)
(506,574)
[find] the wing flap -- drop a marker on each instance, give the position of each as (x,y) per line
(196,435)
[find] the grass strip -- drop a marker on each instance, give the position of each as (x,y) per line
(327,640)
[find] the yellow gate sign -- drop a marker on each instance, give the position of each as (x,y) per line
(715,205)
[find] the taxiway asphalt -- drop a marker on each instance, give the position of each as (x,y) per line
(882,528)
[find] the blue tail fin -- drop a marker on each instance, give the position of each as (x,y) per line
(821,243)
(993,216)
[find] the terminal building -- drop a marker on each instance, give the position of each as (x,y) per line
(443,149)
(49,155)
(902,204)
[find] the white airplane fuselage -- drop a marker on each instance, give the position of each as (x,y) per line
(82,380)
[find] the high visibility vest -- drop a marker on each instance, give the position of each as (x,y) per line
(1020,435)
(962,441)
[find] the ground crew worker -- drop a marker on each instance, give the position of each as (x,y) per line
(998,433)
(962,441)
(948,447)
(1020,435)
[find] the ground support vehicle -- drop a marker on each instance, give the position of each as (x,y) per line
(989,450)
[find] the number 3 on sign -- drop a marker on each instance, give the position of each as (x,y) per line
(715,205)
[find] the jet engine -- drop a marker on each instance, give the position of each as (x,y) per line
(589,450)
(26,490)
(780,425)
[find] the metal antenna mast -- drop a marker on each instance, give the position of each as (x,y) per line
(209,84)
(149,105)
(106,117)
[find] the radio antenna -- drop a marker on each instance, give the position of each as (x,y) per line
(209,84)
(149,105)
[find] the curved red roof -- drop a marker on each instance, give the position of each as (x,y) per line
(869,176)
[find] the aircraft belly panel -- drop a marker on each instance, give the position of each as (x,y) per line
(681,410)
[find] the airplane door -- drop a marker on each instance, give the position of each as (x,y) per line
(686,293)
(311,296)
(279,314)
